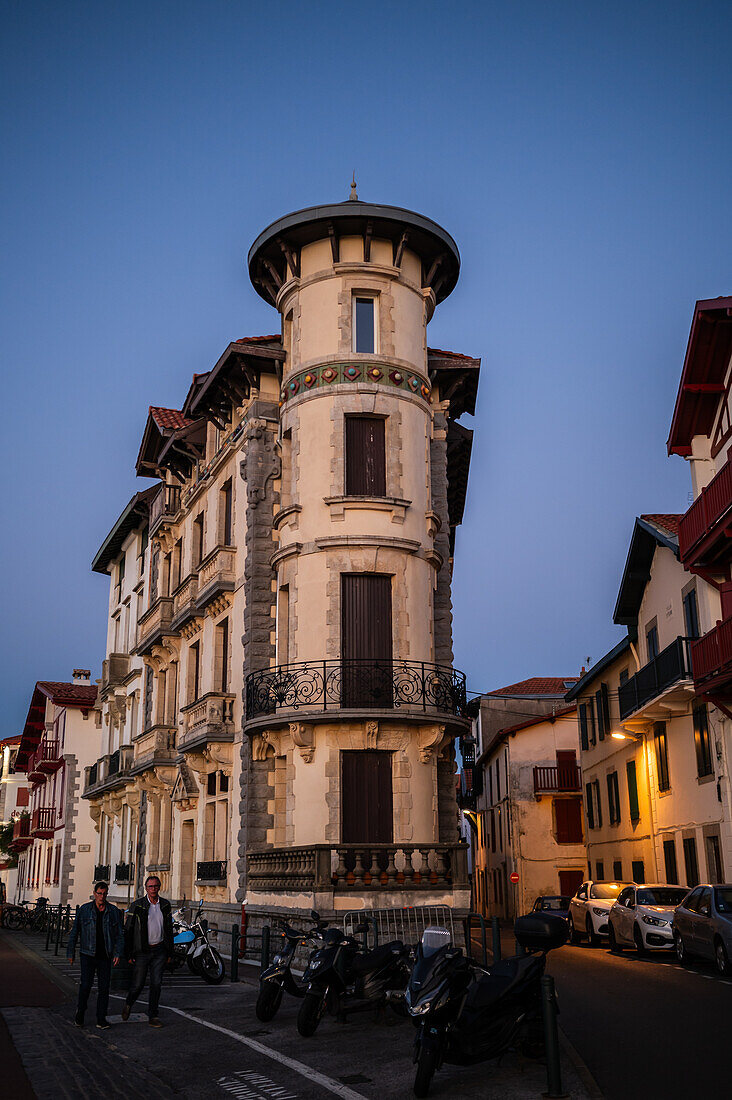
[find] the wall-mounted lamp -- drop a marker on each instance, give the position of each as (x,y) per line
(623,735)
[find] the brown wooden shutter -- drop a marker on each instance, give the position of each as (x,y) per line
(365,456)
(569,820)
(366,797)
(366,643)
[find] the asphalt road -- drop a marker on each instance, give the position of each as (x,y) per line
(646,1027)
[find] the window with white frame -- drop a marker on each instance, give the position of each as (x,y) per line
(364,324)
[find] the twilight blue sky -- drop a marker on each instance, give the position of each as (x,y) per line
(579,155)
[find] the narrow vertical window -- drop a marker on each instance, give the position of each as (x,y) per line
(194,670)
(691,614)
(227,502)
(598,802)
(652,642)
(669,859)
(702,742)
(618,870)
(600,870)
(198,540)
(632,791)
(661,746)
(222,654)
(584,738)
(365,456)
(638,871)
(148,704)
(283,624)
(589,808)
(364,328)
(177,564)
(690,861)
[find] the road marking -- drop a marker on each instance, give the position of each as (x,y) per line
(248,1085)
(299,1067)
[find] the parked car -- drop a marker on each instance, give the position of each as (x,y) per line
(558,904)
(590,908)
(703,925)
(643,917)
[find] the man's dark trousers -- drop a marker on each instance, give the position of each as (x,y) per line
(153,961)
(103,967)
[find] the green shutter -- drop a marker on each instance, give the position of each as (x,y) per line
(584,741)
(632,791)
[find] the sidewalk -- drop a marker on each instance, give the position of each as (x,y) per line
(212,1044)
(20,984)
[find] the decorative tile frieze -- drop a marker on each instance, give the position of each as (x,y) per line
(376,373)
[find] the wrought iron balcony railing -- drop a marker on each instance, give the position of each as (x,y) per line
(164,506)
(212,870)
(123,873)
(101,872)
(671,665)
(339,684)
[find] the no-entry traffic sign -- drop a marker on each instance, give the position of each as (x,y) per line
(514,877)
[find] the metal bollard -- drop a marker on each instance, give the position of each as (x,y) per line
(58,930)
(68,917)
(483,942)
(496,932)
(551,1038)
(49,929)
(235,953)
(264,960)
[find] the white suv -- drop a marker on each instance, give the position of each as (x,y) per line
(590,908)
(643,916)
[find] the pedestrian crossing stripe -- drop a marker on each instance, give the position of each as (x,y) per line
(248,1085)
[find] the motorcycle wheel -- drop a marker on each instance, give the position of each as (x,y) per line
(268,1001)
(426,1066)
(14,919)
(212,967)
(309,1015)
(193,965)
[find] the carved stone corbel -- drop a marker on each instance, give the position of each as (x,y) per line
(95,812)
(303,737)
(430,740)
(259,747)
(372,735)
(221,754)
(273,738)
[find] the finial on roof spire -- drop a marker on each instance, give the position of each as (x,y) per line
(353,197)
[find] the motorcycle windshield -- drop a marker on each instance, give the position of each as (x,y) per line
(433,940)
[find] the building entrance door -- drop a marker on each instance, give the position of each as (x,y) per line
(187,844)
(366,640)
(570,882)
(367,814)
(567,775)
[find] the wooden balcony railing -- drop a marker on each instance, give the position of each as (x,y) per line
(43,822)
(21,834)
(671,665)
(711,656)
(555,778)
(164,506)
(712,505)
(349,867)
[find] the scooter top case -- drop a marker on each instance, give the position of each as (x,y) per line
(378,957)
(495,1004)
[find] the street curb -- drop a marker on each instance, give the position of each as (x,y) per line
(581,1068)
(67,985)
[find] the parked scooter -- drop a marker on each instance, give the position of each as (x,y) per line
(278,975)
(344,977)
(466,1014)
(191,946)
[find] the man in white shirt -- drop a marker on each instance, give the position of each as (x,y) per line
(149,943)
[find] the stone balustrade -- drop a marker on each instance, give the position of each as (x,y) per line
(155,624)
(216,575)
(355,867)
(210,718)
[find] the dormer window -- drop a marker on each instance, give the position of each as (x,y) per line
(364,325)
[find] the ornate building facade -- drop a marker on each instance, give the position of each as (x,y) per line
(283,692)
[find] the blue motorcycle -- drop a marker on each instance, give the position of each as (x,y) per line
(191,946)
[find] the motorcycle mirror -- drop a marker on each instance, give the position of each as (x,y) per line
(314,915)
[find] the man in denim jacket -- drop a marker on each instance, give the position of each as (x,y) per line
(99,929)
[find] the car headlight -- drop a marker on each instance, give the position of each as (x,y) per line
(655,921)
(599,912)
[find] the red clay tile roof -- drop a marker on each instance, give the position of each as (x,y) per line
(561,713)
(257,339)
(450,354)
(10,741)
(70,695)
(667,521)
(169,418)
(538,685)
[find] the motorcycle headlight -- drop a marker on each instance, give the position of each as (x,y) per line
(420,1010)
(276,960)
(599,912)
(654,920)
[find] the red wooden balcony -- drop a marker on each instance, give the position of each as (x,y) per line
(43,822)
(549,780)
(711,656)
(36,774)
(704,530)
(48,759)
(21,834)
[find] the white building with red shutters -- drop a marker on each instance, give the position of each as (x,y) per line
(14,799)
(55,838)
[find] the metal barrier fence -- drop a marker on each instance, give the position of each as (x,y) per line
(406,924)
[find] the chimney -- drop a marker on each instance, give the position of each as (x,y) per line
(81,675)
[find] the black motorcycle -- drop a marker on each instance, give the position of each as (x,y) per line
(344,977)
(278,977)
(466,1014)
